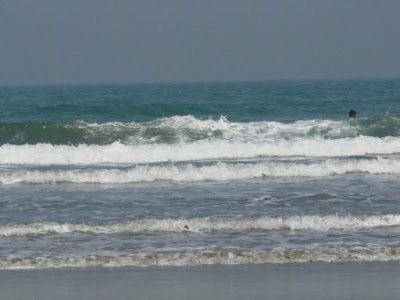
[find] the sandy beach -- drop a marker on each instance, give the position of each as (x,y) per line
(291,281)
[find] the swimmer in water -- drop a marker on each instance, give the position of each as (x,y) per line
(352,114)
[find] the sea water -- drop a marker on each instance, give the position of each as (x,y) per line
(199,173)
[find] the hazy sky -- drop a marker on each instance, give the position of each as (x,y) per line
(127,41)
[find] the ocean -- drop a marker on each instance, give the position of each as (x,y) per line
(193,174)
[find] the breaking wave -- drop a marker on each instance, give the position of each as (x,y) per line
(219,171)
(187,129)
(209,225)
(206,258)
(44,154)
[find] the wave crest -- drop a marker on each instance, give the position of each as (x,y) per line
(219,171)
(188,129)
(206,258)
(209,225)
(45,154)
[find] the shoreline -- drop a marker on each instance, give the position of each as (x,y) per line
(339,280)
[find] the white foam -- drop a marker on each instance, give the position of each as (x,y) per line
(206,225)
(180,125)
(206,258)
(220,171)
(45,154)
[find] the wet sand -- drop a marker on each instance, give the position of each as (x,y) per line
(290,281)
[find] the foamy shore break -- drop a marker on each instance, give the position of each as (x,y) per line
(209,225)
(46,154)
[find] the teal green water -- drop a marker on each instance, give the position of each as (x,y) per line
(239,102)
(63,115)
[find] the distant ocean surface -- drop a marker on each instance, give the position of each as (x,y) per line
(199,173)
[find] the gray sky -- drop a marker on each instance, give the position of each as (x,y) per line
(127,41)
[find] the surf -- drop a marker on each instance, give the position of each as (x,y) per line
(188,129)
(302,223)
(227,257)
(119,153)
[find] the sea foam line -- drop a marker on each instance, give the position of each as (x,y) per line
(220,171)
(182,125)
(46,154)
(205,258)
(209,225)
(184,129)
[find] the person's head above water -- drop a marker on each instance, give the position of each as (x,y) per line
(352,114)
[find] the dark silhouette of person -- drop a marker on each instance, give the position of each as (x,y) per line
(352,114)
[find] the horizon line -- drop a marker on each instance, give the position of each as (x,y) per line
(128,83)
